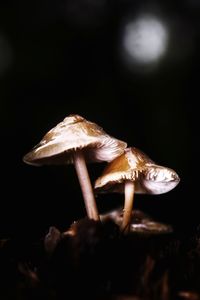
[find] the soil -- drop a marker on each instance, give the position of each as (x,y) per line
(94,260)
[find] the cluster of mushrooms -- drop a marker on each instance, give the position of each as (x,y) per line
(129,170)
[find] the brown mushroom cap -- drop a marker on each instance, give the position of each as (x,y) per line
(72,134)
(134,165)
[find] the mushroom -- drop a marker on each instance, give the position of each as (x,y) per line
(134,172)
(76,140)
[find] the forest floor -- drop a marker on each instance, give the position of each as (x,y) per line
(94,260)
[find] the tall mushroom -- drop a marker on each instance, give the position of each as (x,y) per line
(134,172)
(76,140)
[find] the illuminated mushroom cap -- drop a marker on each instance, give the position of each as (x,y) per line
(134,165)
(158,179)
(75,133)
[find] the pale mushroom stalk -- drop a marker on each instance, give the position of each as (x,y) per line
(85,184)
(129,189)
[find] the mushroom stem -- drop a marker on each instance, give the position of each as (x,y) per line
(86,187)
(129,190)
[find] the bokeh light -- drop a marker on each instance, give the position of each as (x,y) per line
(144,41)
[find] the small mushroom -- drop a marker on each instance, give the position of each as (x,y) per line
(134,172)
(76,140)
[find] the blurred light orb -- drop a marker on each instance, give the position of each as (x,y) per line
(145,40)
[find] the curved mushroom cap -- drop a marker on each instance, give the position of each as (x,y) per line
(159,180)
(72,134)
(134,165)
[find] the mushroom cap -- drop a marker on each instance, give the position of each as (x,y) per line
(135,165)
(72,134)
(158,179)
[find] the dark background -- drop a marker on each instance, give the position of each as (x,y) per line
(63,57)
